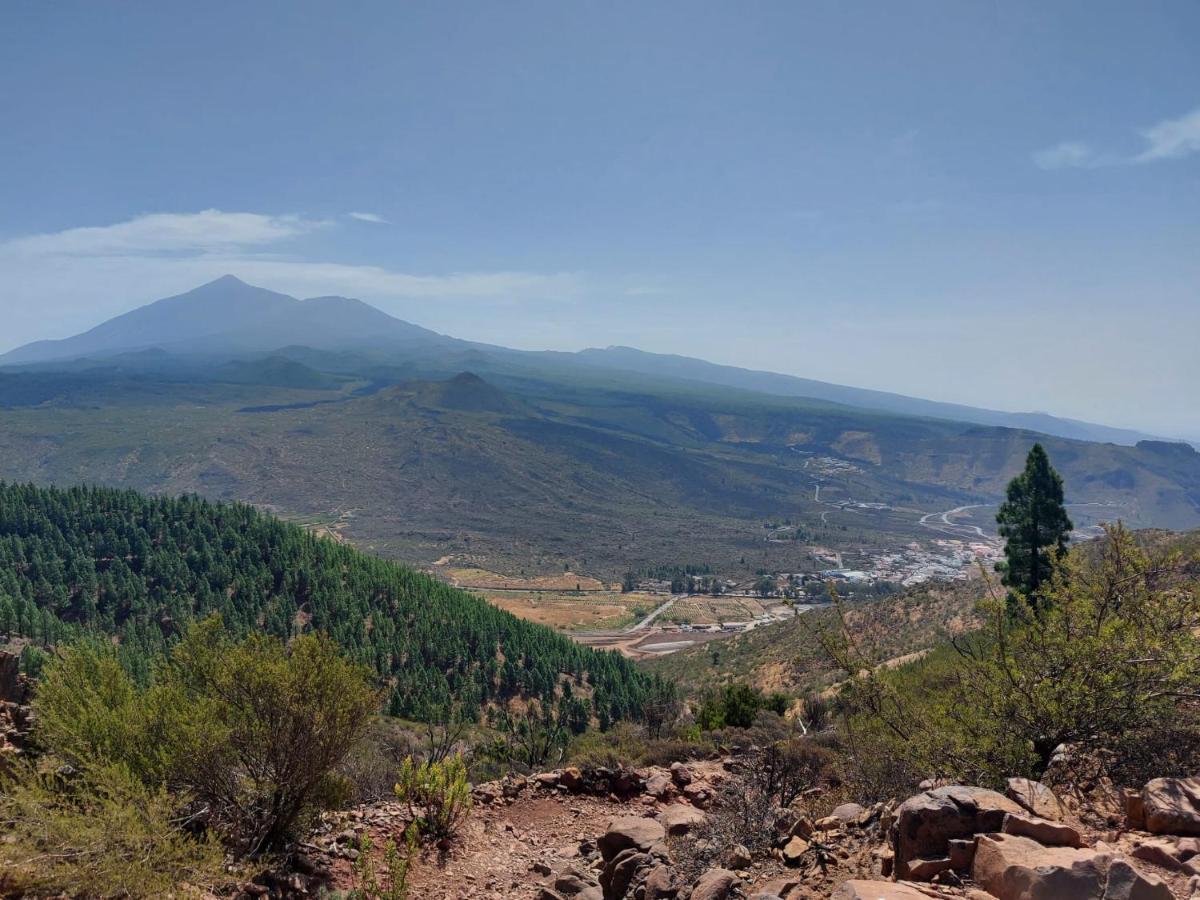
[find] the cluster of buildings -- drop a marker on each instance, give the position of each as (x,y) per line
(945,559)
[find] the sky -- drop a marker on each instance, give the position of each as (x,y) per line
(994,203)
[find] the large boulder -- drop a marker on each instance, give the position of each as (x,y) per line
(793,851)
(1180,853)
(848,813)
(679,818)
(1017,868)
(660,883)
(859,889)
(698,793)
(1127,883)
(660,786)
(1172,805)
(573,882)
(619,872)
(926,823)
(627,832)
(1036,797)
(715,884)
(1042,830)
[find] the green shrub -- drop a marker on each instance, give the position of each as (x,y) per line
(101,833)
(244,733)
(628,745)
(1109,656)
(389,882)
(735,705)
(437,793)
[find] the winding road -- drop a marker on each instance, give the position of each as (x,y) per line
(941,522)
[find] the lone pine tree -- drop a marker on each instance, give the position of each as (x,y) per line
(1034,523)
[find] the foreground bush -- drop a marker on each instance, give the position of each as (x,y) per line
(437,793)
(1108,656)
(629,745)
(385,879)
(243,734)
(99,834)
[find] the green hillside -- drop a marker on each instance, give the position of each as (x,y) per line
(97,560)
(515,474)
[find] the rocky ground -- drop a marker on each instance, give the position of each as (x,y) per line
(604,835)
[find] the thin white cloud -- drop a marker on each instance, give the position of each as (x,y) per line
(166,233)
(1172,138)
(1067,155)
(59,283)
(1168,139)
(373,218)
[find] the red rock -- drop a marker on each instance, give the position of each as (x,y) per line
(848,813)
(1127,883)
(794,849)
(1041,830)
(681,774)
(660,786)
(1172,806)
(1036,797)
(925,823)
(627,832)
(859,889)
(715,884)
(679,818)
(1018,868)
(803,828)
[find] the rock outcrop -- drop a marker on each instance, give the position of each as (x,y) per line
(927,822)
(1010,867)
(1172,806)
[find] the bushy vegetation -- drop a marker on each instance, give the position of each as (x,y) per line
(99,833)
(736,705)
(245,733)
(385,879)
(94,561)
(437,793)
(629,745)
(142,789)
(1105,658)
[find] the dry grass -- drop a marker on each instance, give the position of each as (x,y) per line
(574,612)
(483,579)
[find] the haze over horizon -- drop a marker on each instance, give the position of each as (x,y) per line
(881,205)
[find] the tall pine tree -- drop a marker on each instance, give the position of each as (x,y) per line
(1035,526)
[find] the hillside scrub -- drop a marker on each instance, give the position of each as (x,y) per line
(242,734)
(1108,659)
(96,562)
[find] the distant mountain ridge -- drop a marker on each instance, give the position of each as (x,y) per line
(228,314)
(227,317)
(631,359)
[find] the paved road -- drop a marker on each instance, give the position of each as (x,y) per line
(649,620)
(941,522)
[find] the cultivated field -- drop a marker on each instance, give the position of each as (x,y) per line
(567,611)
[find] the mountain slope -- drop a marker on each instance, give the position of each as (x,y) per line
(227,317)
(121,564)
(537,478)
(666,365)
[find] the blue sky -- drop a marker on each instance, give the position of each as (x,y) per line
(993,203)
